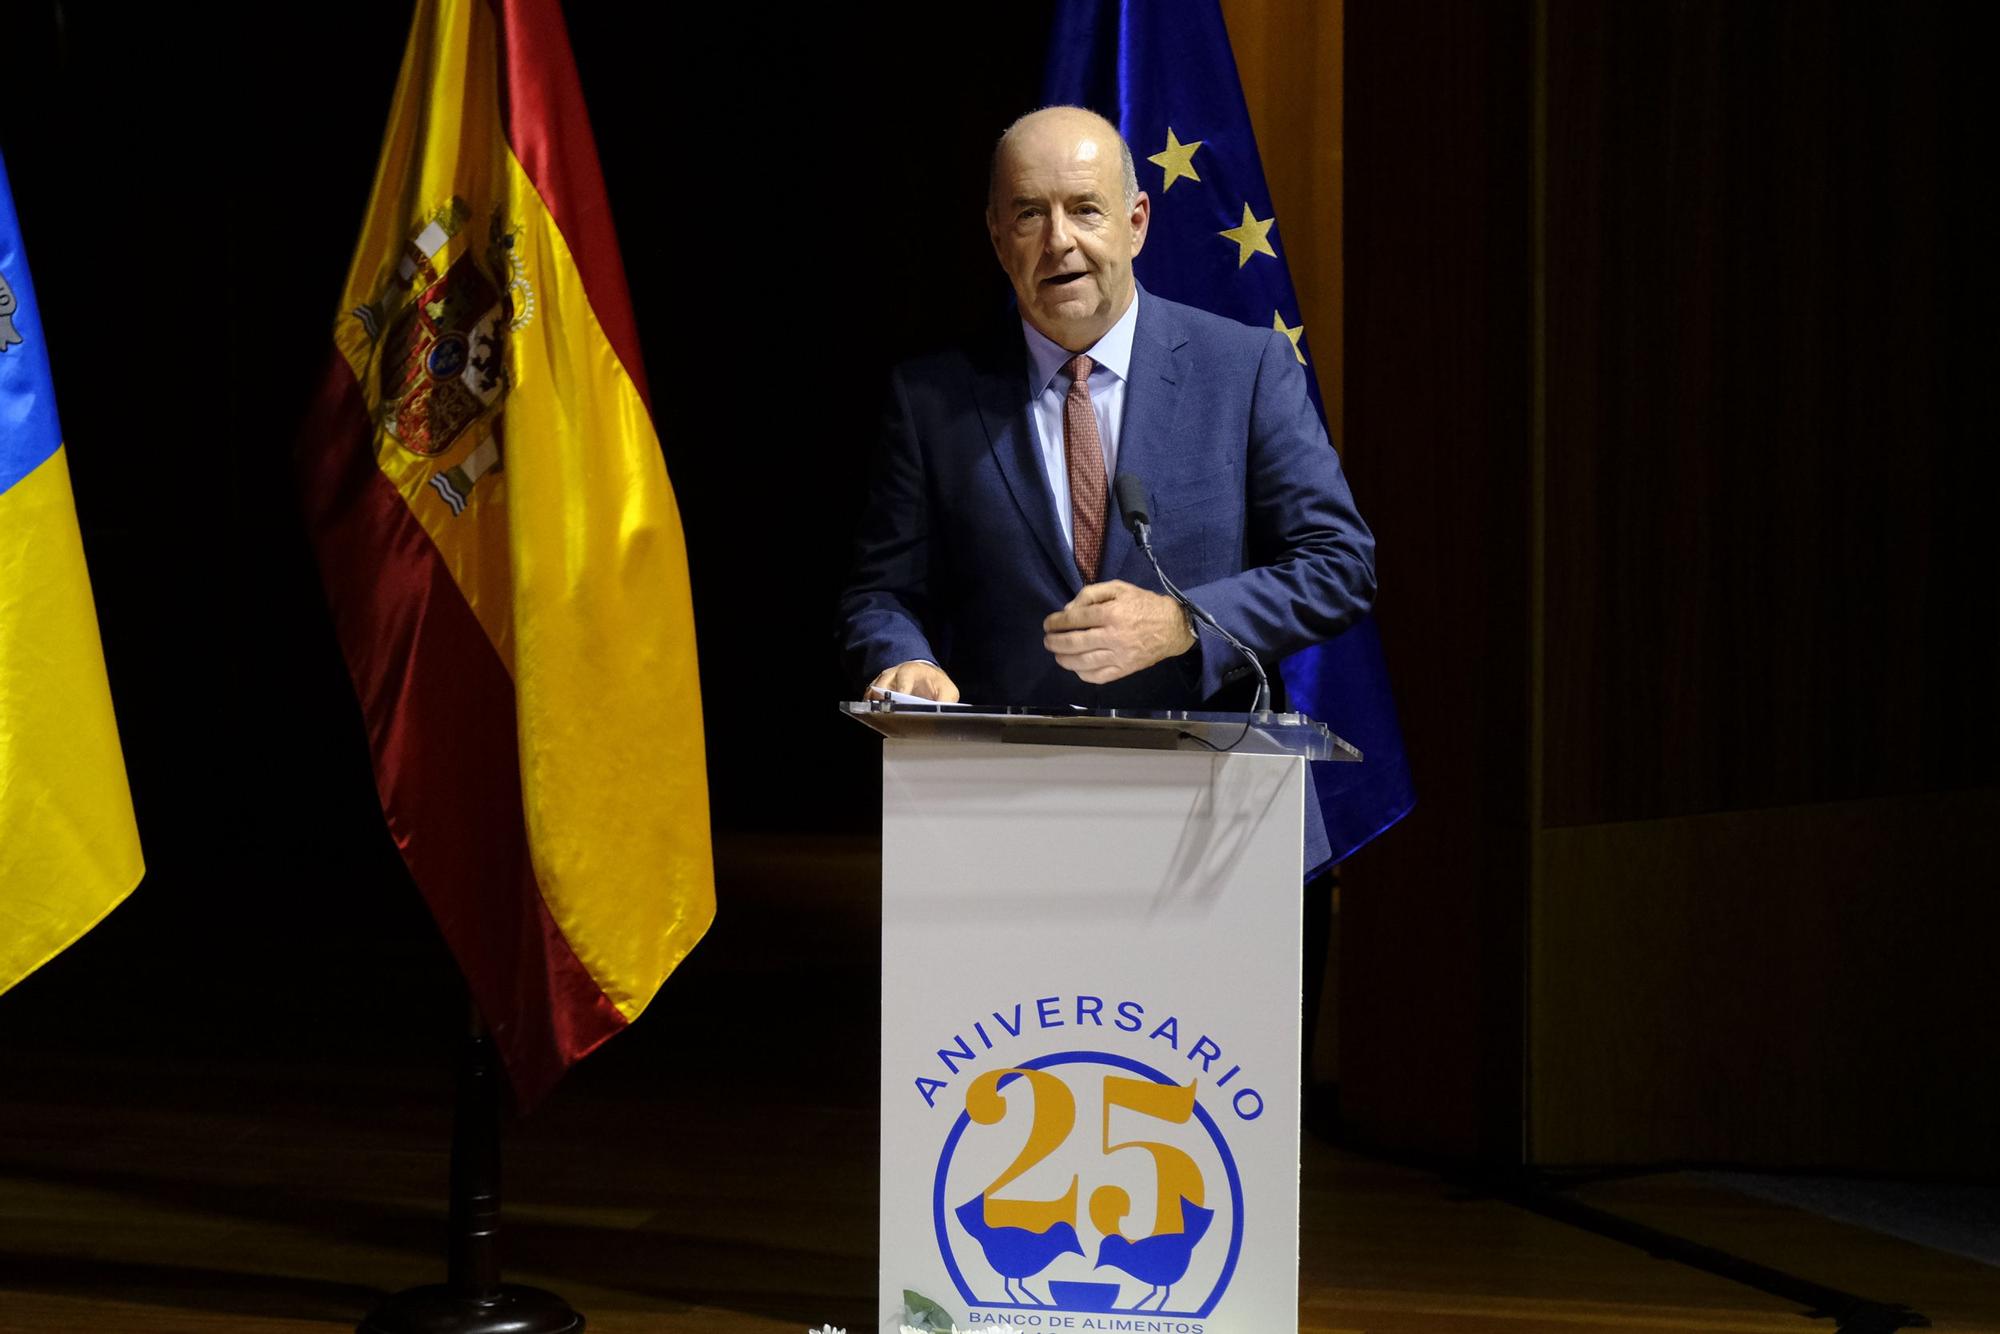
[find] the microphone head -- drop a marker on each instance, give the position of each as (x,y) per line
(1132,502)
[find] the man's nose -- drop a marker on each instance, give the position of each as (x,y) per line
(1057,239)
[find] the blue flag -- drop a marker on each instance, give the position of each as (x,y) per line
(1163,72)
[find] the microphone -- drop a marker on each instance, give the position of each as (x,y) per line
(1132,503)
(1138,512)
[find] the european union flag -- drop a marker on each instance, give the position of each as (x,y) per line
(1163,71)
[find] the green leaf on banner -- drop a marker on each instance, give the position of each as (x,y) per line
(926,1314)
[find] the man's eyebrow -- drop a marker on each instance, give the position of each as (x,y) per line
(1085,197)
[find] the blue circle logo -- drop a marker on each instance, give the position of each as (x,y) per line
(1082,1181)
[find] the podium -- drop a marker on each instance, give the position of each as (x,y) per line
(1091,1017)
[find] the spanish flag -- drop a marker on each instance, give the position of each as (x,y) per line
(69,850)
(502,552)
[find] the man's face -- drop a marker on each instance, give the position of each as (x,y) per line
(1061,228)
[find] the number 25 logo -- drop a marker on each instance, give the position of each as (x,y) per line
(1176,1176)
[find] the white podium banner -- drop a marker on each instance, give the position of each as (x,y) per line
(1090,1039)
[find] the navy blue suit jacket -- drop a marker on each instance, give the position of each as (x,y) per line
(960,554)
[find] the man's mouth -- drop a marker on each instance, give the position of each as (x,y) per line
(1061,279)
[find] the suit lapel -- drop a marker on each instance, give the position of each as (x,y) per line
(1146,440)
(1001,388)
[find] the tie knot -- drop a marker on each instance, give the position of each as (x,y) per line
(1078,368)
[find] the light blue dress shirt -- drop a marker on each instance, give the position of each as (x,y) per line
(1048,389)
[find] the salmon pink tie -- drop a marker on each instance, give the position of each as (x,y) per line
(1083,452)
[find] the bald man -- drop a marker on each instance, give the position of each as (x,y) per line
(991,564)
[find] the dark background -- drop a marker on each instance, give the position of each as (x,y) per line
(1669,358)
(1668,343)
(798,206)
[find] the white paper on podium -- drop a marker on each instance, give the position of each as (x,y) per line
(898,697)
(1121,929)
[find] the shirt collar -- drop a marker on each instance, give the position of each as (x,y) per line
(1113,352)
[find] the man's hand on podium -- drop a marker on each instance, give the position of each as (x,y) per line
(1114,629)
(924,679)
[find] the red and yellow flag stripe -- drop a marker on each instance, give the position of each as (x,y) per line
(502,550)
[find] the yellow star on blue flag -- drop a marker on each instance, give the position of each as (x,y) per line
(1291,332)
(1252,237)
(1177,159)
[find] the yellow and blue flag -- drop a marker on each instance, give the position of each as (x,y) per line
(1163,72)
(69,848)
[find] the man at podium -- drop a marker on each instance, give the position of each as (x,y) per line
(991,562)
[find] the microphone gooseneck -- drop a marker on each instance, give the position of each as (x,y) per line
(1138,513)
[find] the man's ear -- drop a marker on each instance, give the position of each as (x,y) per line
(1142,217)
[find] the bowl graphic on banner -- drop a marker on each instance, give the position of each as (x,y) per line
(1086,1181)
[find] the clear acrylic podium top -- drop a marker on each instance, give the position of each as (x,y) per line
(1237,733)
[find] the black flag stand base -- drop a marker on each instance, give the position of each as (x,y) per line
(473,1300)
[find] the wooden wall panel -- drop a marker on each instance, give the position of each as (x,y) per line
(1704,727)
(1437,421)
(1767,579)
(1772,636)
(1786,988)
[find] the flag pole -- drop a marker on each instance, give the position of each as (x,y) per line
(473,1300)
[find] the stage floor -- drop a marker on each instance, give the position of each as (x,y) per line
(241,1129)
(156,1198)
